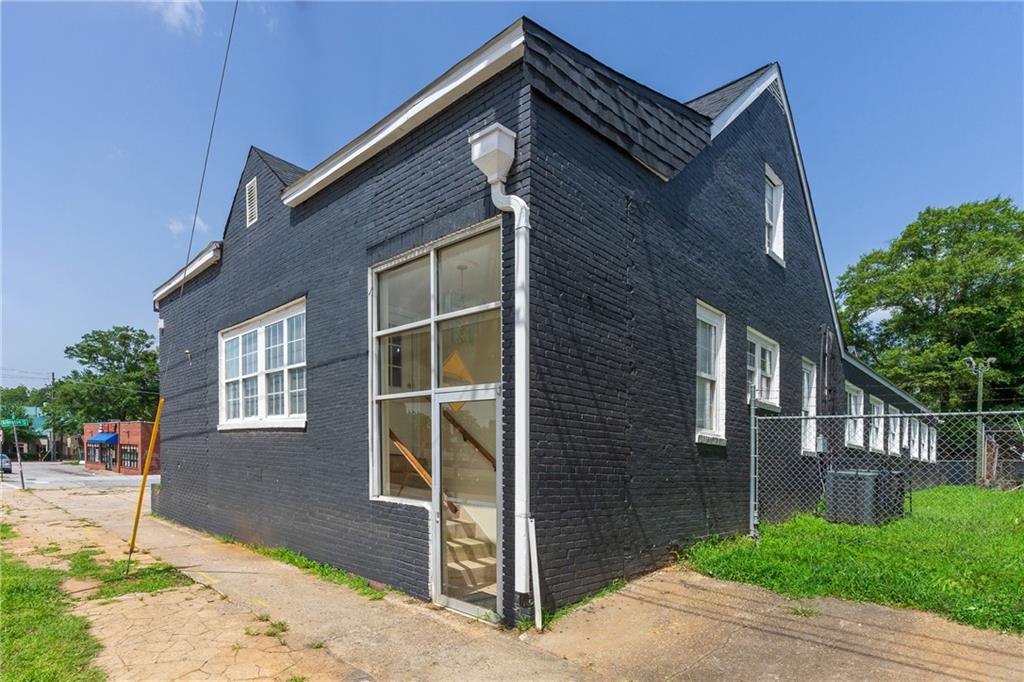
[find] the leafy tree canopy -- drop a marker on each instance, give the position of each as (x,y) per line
(23,395)
(118,379)
(26,434)
(950,286)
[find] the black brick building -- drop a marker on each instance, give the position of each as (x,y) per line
(340,369)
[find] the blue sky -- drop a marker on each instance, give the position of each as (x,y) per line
(106,108)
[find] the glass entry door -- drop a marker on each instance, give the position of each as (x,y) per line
(465,499)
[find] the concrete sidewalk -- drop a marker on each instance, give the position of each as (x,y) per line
(396,638)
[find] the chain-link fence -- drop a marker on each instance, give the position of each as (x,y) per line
(867,469)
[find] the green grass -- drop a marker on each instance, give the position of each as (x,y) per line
(961,555)
(113,581)
(323,571)
(39,639)
(548,618)
(6,532)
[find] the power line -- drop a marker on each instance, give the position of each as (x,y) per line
(209,144)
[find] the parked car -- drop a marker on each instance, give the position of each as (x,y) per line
(5,464)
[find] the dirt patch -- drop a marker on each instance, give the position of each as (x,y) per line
(79,588)
(680,624)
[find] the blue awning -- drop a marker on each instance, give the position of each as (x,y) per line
(104,437)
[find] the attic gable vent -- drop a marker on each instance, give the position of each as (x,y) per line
(776,91)
(251,212)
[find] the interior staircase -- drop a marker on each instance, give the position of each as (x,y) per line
(471,562)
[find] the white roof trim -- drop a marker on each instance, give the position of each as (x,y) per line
(495,56)
(721,122)
(205,259)
(739,105)
(859,364)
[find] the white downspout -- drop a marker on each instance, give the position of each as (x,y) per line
(493,149)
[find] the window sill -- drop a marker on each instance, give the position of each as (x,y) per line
(808,453)
(711,439)
(424,504)
(877,451)
(286,424)
(763,405)
(777,258)
(851,444)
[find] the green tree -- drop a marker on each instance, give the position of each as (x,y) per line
(118,379)
(26,434)
(951,285)
(22,395)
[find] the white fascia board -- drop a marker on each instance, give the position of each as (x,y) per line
(740,104)
(489,60)
(720,123)
(205,259)
(882,380)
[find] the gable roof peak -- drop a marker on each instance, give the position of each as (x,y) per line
(714,102)
(285,171)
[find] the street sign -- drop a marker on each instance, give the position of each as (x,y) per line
(13,422)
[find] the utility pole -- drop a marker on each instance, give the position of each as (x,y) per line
(53,442)
(979,368)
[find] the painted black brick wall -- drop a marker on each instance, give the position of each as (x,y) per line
(619,261)
(309,490)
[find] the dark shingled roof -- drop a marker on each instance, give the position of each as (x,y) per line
(286,172)
(660,132)
(713,103)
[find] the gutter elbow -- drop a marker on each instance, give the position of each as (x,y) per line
(511,203)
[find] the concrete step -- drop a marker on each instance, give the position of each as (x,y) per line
(472,573)
(455,528)
(458,549)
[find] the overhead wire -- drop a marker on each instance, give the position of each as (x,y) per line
(209,145)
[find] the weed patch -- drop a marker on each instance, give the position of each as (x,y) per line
(958,555)
(39,639)
(550,618)
(114,583)
(7,532)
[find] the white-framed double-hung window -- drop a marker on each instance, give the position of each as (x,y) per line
(894,431)
(855,412)
(762,368)
(876,429)
(773,215)
(915,439)
(710,421)
(808,406)
(262,368)
(933,438)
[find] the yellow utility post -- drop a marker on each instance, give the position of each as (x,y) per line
(142,486)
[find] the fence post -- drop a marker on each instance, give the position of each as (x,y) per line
(753,465)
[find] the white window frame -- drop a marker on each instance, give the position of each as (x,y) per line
(933,439)
(854,427)
(876,428)
(808,408)
(261,420)
(252,203)
(716,318)
(430,249)
(774,246)
(762,342)
(893,433)
(915,439)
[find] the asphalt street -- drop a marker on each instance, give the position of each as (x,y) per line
(55,475)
